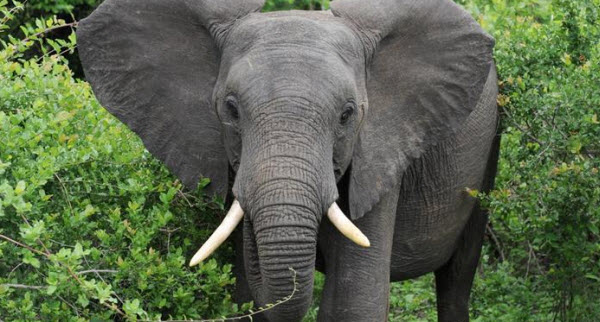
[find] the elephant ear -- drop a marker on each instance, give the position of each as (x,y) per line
(430,61)
(153,64)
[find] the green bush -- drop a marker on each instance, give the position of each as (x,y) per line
(91,225)
(543,261)
(546,209)
(272,5)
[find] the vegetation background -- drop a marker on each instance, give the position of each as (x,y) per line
(93,227)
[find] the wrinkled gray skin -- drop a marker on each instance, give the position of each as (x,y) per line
(386,106)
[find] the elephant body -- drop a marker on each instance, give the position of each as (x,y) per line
(468,162)
(384,111)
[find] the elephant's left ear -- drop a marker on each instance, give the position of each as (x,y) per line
(430,61)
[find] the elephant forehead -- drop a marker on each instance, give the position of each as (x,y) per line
(295,32)
(264,75)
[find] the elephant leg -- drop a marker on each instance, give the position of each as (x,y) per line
(454,280)
(357,281)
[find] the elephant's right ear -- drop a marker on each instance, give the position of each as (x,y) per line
(153,64)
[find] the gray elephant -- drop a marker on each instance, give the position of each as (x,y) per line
(383,110)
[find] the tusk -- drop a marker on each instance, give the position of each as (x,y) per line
(346,227)
(233,218)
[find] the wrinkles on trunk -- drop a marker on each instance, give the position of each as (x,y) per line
(269,255)
(285,184)
(280,232)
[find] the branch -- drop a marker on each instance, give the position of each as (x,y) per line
(45,31)
(37,239)
(518,126)
(110,271)
(9,16)
(23,245)
(69,270)
(69,304)
(252,313)
(65,194)
(497,242)
(534,256)
(29,287)
(182,195)
(102,279)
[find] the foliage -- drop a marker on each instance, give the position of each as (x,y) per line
(546,206)
(30,11)
(543,262)
(272,5)
(91,226)
(61,6)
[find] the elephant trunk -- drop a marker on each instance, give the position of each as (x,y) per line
(280,261)
(285,184)
(280,239)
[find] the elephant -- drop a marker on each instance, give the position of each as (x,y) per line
(345,141)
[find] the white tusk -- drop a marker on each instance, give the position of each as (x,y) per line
(233,218)
(346,227)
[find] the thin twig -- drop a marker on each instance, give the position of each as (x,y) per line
(252,313)
(53,51)
(526,132)
(11,11)
(64,190)
(95,271)
(528,263)
(69,270)
(48,254)
(69,304)
(497,242)
(60,243)
(37,239)
(77,164)
(45,31)
(169,231)
(181,194)
(14,269)
(23,245)
(29,287)
(100,277)
(537,262)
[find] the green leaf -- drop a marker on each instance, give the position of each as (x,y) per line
(20,188)
(83,300)
(51,289)
(592,277)
(28,258)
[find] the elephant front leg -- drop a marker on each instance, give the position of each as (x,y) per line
(357,279)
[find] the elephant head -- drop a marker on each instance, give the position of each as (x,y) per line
(291,102)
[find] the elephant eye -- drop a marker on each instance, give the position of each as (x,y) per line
(347,113)
(231,107)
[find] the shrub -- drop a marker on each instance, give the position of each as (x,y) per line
(546,206)
(542,262)
(91,226)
